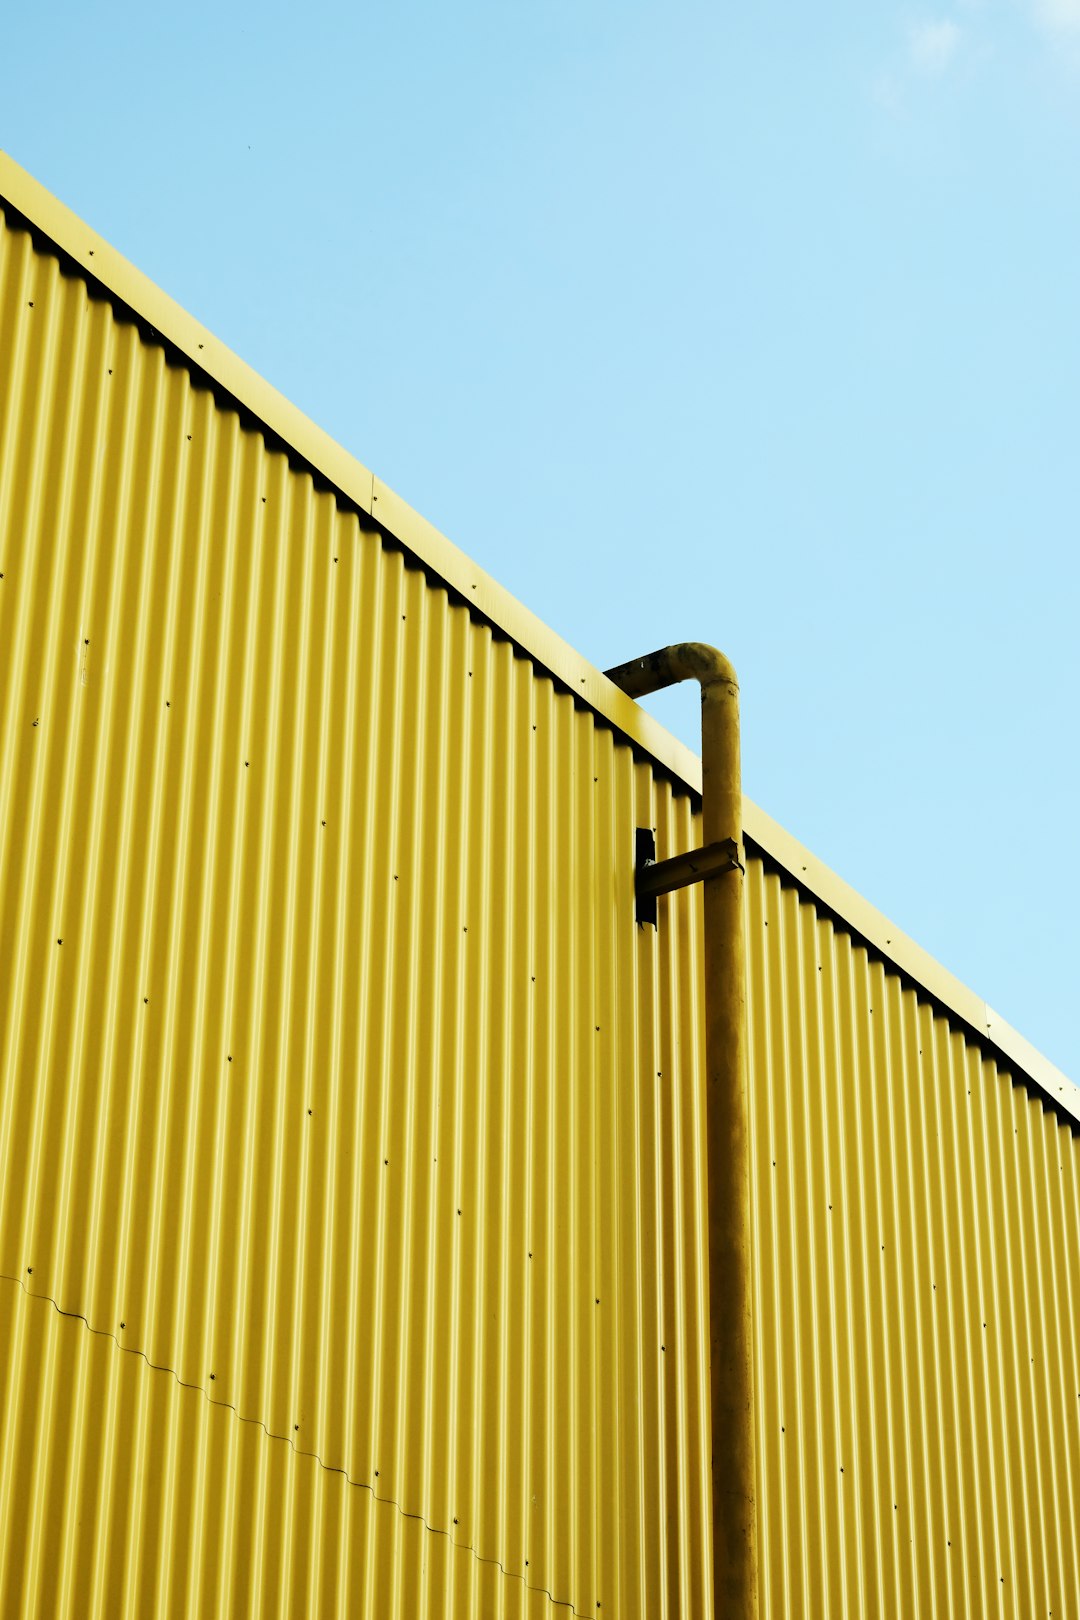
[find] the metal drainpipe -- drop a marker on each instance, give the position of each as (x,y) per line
(734,1515)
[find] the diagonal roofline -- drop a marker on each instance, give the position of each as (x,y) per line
(359,488)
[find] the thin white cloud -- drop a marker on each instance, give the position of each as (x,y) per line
(1059,16)
(932,45)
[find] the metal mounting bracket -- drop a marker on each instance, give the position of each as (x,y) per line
(653,877)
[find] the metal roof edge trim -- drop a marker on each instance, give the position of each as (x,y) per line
(916,964)
(492,602)
(484,595)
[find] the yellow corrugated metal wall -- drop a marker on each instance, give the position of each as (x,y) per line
(357,1127)
(319,1090)
(917,1231)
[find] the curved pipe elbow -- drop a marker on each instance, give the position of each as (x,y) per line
(685,661)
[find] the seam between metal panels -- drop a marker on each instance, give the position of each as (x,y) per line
(329,1468)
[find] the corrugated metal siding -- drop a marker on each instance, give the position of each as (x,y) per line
(353,1109)
(917,1229)
(318,1090)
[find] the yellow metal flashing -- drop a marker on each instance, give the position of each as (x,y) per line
(350,477)
(490,601)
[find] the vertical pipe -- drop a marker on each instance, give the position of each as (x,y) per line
(728,1151)
(727,1115)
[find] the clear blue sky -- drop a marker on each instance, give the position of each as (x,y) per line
(753,325)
